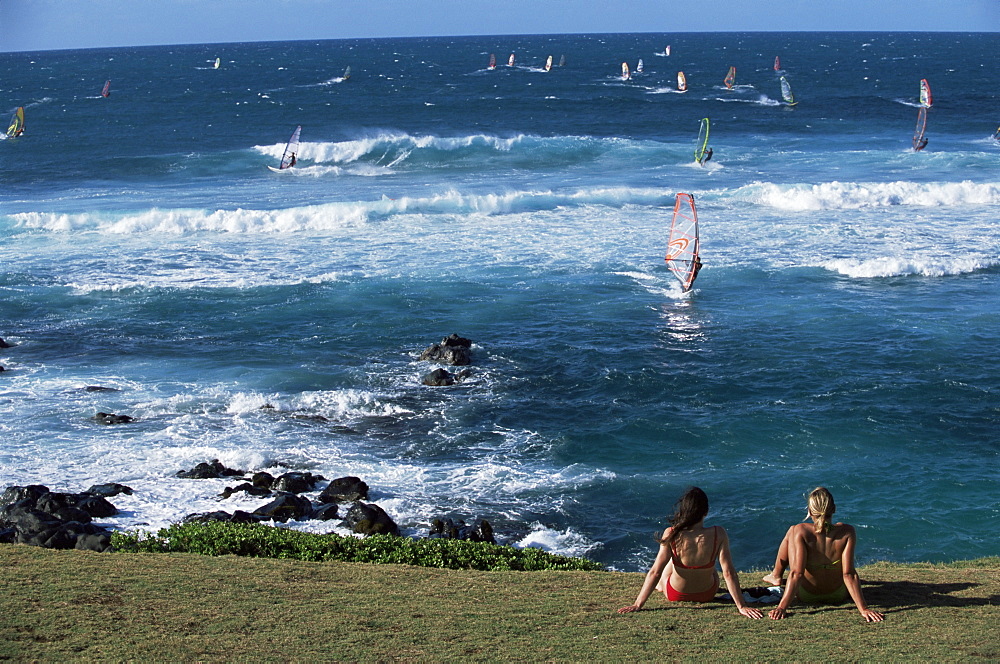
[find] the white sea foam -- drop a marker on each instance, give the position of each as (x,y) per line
(891,266)
(386,144)
(330,216)
(565,542)
(855,195)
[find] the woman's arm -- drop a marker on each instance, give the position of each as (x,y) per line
(652,576)
(796,567)
(853,581)
(732,579)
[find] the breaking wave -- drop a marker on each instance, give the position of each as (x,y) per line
(856,195)
(890,266)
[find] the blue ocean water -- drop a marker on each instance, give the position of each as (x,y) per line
(843,331)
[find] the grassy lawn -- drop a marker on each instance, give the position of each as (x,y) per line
(58,605)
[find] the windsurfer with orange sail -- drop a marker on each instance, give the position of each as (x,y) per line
(684,246)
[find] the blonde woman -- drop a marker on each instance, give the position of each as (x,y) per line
(819,558)
(684,569)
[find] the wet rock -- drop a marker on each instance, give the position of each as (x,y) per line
(109,490)
(325,512)
(286,507)
(344,490)
(112,418)
(370,519)
(438,378)
(449,529)
(97,507)
(296,482)
(13,494)
(247,488)
(99,388)
(4,344)
(239,516)
(211,470)
(63,506)
(453,350)
(262,480)
(35,516)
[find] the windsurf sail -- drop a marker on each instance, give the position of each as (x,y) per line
(347,72)
(218,63)
(996,134)
(730,78)
(919,140)
(16,123)
(106,92)
(777,63)
(682,82)
(701,147)
(625,73)
(493,62)
(925,93)
(639,67)
(683,245)
(548,64)
(562,60)
(289,157)
(786,92)
(510,60)
(666,51)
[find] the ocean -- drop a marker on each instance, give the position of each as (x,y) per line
(843,331)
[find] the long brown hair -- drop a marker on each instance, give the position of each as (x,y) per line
(821,508)
(688,510)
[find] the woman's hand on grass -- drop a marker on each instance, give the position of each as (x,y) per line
(751,612)
(872,616)
(777,613)
(628,609)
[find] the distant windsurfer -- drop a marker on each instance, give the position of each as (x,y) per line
(706,156)
(292,160)
(921,145)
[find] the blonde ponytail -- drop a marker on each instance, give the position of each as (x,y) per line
(821,509)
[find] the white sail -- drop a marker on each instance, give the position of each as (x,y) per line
(290,155)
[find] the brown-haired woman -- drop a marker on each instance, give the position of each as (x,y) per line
(820,561)
(684,568)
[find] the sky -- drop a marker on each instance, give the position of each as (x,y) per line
(35,25)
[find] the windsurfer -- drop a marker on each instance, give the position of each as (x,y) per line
(292,160)
(921,145)
(707,156)
(695,268)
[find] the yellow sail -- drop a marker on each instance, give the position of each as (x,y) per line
(16,123)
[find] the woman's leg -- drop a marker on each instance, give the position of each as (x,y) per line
(661,585)
(780,564)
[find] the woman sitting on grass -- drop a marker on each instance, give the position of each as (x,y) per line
(820,561)
(684,568)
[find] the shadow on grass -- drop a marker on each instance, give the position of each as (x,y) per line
(902,595)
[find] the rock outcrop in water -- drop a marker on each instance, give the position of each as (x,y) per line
(35,516)
(112,418)
(453,350)
(210,470)
(450,529)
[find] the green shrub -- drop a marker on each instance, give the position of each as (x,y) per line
(258,540)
